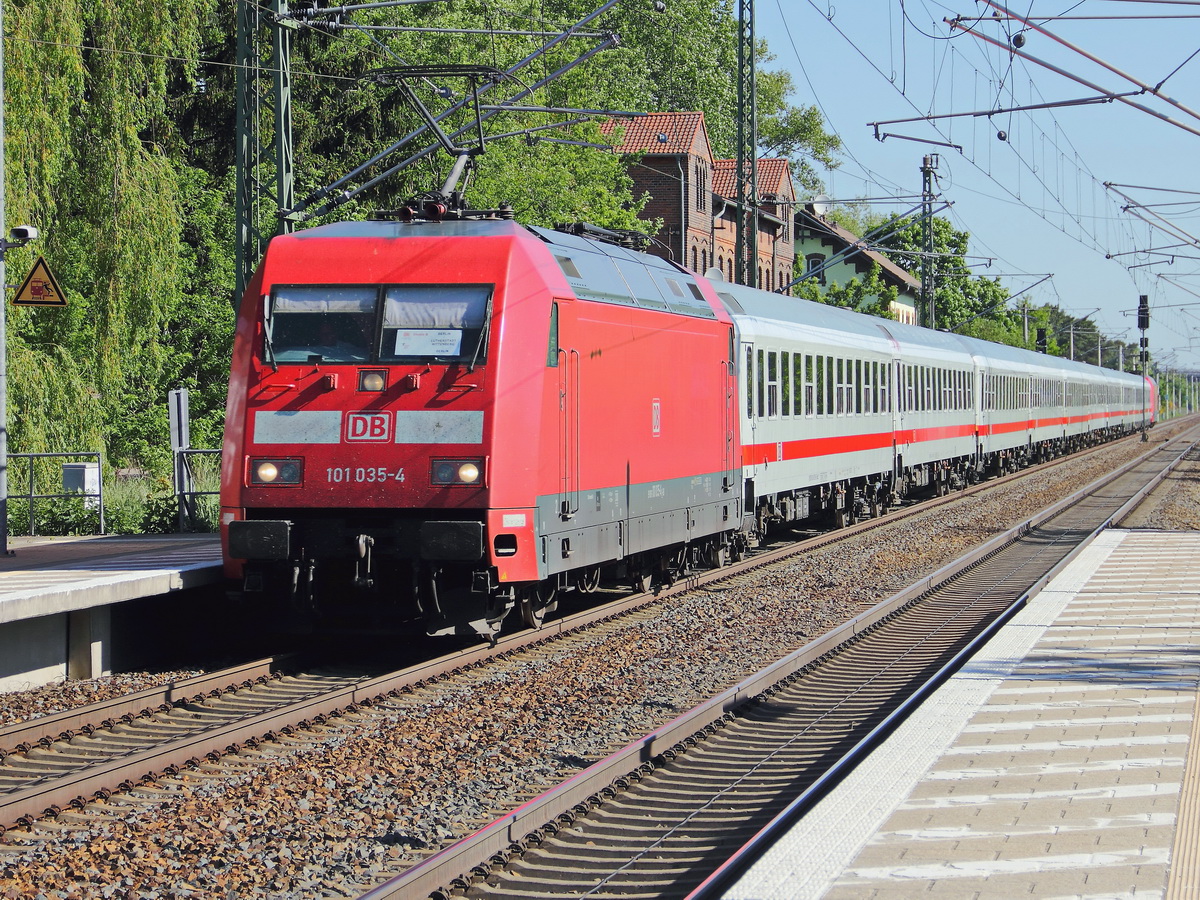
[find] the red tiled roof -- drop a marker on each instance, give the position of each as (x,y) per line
(662,132)
(773,177)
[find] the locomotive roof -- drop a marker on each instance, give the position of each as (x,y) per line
(382,229)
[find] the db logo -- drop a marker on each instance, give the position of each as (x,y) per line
(376,426)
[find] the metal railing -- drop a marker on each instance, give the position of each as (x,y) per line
(32,496)
(185,487)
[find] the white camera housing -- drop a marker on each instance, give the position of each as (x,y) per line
(23,233)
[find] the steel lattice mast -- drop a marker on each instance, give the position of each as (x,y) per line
(264,161)
(746,233)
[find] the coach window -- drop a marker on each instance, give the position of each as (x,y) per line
(829,404)
(749,382)
(810,402)
(785,383)
(799,388)
(820,384)
(772,385)
(839,390)
(761,374)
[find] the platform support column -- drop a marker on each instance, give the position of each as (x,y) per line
(89,643)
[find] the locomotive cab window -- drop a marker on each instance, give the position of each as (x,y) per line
(321,324)
(436,323)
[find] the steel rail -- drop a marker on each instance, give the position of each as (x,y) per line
(64,725)
(770,833)
(456,866)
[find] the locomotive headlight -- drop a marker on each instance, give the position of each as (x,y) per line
(276,471)
(372,380)
(457,471)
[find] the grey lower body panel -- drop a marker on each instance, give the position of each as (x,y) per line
(610,524)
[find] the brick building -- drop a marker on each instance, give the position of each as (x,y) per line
(695,196)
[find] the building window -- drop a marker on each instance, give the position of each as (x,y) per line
(701,187)
(815,261)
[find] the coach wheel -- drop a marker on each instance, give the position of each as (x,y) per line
(536,602)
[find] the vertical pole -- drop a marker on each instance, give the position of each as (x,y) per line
(3,325)
(281,82)
(746,234)
(929,305)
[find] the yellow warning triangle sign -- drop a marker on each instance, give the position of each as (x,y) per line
(40,288)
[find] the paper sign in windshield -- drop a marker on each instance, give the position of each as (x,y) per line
(428,342)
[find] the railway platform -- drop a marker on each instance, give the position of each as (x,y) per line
(57,595)
(1062,761)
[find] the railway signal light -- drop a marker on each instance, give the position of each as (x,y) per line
(1143,312)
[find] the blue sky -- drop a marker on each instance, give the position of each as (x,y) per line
(1036,202)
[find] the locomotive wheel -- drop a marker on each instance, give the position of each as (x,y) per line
(717,555)
(588,580)
(536,603)
(641,580)
(676,564)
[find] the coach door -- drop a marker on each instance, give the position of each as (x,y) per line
(729,388)
(568,432)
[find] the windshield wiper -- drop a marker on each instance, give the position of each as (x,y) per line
(483,335)
(270,347)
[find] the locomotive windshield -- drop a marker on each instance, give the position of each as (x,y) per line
(323,324)
(435,321)
(369,323)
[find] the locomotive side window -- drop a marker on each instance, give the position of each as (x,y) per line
(436,322)
(322,324)
(552,349)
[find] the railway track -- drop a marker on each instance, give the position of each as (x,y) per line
(681,812)
(76,780)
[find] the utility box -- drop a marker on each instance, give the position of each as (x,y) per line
(83,478)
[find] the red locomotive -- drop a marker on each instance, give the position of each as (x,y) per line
(445,420)
(457,418)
